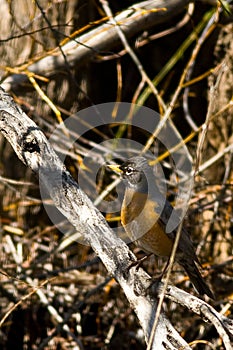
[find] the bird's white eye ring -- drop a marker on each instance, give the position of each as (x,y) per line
(129,170)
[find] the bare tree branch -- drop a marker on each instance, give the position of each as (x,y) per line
(223,325)
(104,38)
(34,150)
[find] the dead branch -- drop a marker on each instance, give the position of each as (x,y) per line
(81,49)
(223,325)
(34,150)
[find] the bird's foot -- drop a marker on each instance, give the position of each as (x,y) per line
(154,284)
(156,279)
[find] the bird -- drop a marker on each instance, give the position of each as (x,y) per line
(144,215)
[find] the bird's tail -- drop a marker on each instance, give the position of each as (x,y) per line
(196,278)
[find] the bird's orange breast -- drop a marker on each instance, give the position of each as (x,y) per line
(141,223)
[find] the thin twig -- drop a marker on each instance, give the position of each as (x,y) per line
(163,292)
(131,52)
(211,25)
(210,112)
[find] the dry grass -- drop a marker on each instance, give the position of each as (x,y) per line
(61,298)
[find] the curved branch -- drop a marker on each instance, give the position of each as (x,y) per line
(104,38)
(223,325)
(34,150)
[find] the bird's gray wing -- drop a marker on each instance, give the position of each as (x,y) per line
(185,244)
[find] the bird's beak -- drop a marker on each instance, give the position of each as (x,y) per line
(115,168)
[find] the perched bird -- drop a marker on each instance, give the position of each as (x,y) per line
(144,215)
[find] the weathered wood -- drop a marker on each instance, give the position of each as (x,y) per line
(34,150)
(103,38)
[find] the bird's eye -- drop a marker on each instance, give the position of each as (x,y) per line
(129,170)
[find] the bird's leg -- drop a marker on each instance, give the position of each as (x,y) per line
(154,282)
(160,276)
(139,262)
(165,268)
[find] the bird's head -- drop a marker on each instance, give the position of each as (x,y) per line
(135,171)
